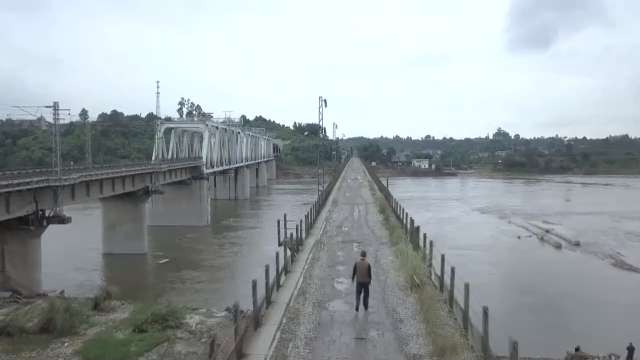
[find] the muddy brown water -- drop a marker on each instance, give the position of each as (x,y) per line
(209,266)
(549,300)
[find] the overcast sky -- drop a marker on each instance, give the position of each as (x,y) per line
(456,68)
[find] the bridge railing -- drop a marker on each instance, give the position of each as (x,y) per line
(126,163)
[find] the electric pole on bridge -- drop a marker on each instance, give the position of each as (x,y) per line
(56,216)
(87,143)
(322,103)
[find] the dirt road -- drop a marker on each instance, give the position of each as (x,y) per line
(321,323)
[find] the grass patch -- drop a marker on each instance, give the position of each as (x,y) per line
(146,327)
(447,341)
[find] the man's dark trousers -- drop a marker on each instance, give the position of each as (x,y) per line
(360,288)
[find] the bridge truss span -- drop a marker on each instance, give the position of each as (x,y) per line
(220,146)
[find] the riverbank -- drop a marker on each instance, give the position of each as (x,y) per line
(284,172)
(58,327)
(384,172)
(490,171)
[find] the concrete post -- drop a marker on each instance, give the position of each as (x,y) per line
(486,351)
(411,229)
(267,287)
(271,169)
(277,270)
(430,256)
(278,225)
(406,224)
(465,310)
(284,258)
(306,225)
(124,224)
(262,174)
(452,285)
(21,258)
(256,311)
(441,273)
(301,232)
(285,227)
(243,182)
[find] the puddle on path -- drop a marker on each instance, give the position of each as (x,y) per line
(340,267)
(340,283)
(357,246)
(337,305)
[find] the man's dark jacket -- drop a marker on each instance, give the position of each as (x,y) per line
(362,271)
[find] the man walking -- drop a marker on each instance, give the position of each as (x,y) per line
(630,351)
(362,276)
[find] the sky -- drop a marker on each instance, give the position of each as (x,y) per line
(459,68)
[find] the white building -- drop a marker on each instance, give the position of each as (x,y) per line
(420,163)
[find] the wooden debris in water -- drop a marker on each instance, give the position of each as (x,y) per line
(556,234)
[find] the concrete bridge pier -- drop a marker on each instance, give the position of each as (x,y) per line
(124,226)
(271,169)
(262,175)
(243,181)
(222,187)
(184,203)
(253,175)
(21,258)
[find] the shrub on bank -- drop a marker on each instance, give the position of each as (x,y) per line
(52,316)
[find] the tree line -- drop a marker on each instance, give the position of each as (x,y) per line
(119,137)
(615,154)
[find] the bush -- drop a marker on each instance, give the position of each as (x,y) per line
(102,299)
(156,318)
(53,316)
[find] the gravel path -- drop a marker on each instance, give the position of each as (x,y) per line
(321,322)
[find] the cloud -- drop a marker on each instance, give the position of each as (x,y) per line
(411,68)
(538,24)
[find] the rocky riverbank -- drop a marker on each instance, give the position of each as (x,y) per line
(57,327)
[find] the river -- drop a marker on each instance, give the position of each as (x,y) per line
(209,266)
(549,300)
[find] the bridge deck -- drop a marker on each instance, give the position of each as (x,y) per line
(321,322)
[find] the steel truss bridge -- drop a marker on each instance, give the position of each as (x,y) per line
(209,145)
(220,146)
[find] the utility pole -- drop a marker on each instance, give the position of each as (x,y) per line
(57,206)
(322,103)
(158,98)
(334,154)
(87,148)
